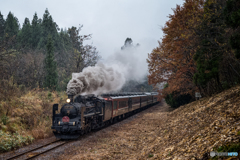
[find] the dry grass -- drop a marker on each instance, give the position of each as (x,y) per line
(28,114)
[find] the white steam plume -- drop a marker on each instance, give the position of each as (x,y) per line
(111,74)
(96,79)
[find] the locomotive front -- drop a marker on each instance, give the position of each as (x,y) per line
(68,124)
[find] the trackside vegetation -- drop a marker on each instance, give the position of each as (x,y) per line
(199,51)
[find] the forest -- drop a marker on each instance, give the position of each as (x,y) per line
(40,54)
(199,52)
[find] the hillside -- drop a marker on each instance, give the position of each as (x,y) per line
(188,132)
(198,127)
(26,117)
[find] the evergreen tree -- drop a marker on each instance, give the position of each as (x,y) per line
(11,26)
(210,52)
(36,31)
(24,37)
(75,38)
(128,43)
(51,76)
(232,13)
(49,27)
(2,26)
(65,40)
(64,54)
(232,19)
(77,47)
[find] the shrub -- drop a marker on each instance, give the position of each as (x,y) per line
(4,119)
(10,141)
(175,100)
(27,116)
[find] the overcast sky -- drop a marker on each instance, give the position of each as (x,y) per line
(109,21)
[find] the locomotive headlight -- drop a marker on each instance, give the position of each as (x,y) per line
(68,100)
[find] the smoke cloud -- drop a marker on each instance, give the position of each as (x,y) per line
(110,74)
(97,79)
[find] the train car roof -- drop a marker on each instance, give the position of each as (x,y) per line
(128,95)
(121,97)
(115,95)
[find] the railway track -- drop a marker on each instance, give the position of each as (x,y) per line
(30,154)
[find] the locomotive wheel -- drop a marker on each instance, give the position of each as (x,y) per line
(82,132)
(88,129)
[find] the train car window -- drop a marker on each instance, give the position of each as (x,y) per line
(115,105)
(136,100)
(125,103)
(122,104)
(108,104)
(145,99)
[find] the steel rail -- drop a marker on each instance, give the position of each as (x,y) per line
(29,151)
(31,157)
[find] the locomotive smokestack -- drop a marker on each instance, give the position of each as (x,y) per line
(70,97)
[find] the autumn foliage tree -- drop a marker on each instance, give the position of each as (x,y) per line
(172,61)
(199,50)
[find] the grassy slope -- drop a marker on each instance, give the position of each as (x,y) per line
(197,128)
(27,117)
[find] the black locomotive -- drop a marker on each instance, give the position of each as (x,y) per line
(84,113)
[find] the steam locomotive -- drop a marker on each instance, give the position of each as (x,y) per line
(83,113)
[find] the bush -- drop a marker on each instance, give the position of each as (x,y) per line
(10,141)
(176,101)
(26,116)
(4,119)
